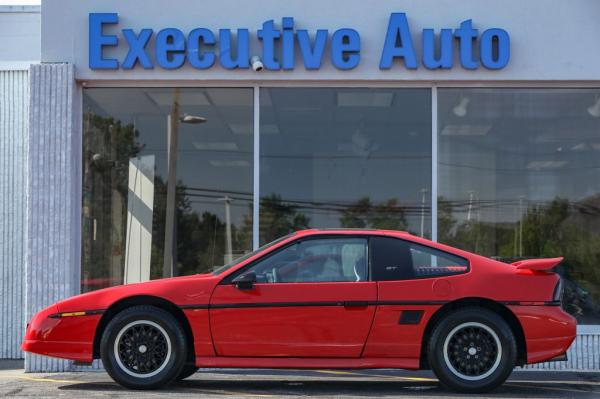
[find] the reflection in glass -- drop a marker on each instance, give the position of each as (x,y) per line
(316,260)
(337,157)
(126,177)
(519,177)
(214,181)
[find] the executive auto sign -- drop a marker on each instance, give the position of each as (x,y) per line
(202,48)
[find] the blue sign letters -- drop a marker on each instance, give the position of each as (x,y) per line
(202,47)
(398,44)
(98,40)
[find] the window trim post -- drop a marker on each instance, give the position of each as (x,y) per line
(256,172)
(434,163)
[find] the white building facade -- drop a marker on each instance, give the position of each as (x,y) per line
(161,139)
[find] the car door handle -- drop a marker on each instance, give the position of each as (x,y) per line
(356,304)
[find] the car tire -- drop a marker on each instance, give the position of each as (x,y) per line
(143,347)
(472,350)
(187,371)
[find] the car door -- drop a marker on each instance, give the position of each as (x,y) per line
(413,282)
(311,298)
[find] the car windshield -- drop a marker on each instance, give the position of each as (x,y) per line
(242,258)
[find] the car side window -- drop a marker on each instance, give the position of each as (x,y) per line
(396,259)
(315,260)
(427,261)
(390,259)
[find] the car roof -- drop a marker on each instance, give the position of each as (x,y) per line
(390,233)
(309,232)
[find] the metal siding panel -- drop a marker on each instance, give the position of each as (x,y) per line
(54,209)
(13,194)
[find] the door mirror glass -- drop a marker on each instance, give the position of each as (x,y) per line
(245,281)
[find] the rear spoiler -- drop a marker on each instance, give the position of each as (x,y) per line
(537,264)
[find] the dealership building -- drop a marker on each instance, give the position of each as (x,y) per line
(147,139)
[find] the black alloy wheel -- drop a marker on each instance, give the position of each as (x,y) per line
(144,347)
(472,350)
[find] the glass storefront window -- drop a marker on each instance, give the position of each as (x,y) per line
(344,157)
(127,134)
(214,174)
(519,177)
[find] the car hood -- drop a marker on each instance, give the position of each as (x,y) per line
(186,290)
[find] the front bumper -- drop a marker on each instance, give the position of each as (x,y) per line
(66,338)
(61,349)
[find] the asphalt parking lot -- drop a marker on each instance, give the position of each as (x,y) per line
(293,383)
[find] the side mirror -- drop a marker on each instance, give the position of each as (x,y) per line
(245,281)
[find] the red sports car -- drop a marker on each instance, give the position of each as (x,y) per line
(322,299)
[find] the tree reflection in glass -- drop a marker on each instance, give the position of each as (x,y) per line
(125,180)
(345,157)
(519,177)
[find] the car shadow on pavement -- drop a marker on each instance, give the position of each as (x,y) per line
(341,387)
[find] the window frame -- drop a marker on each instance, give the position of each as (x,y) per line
(408,243)
(228,280)
(256,86)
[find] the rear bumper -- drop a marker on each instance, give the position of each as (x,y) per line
(548,330)
(559,358)
(546,350)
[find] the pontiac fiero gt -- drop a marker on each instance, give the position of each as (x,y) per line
(322,299)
